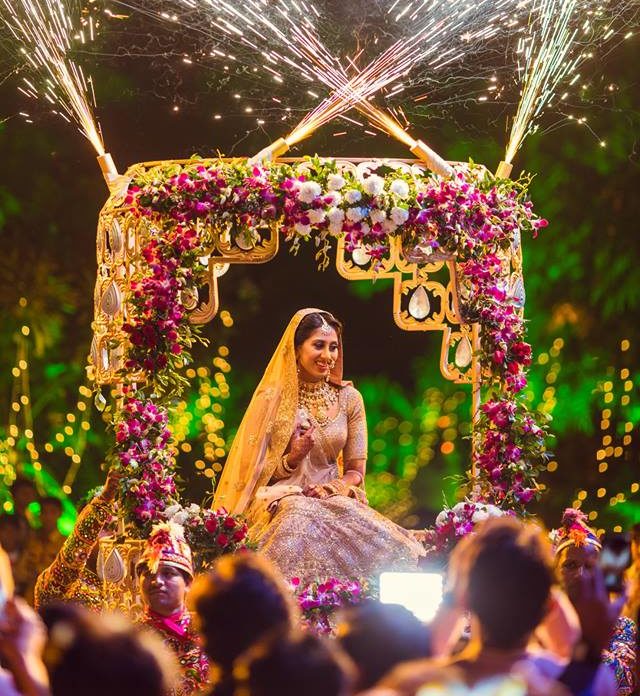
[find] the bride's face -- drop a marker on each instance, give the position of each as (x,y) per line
(317,355)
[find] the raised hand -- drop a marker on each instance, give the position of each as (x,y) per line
(300,445)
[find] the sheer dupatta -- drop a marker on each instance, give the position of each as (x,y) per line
(268,424)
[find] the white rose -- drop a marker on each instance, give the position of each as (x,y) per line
(389,226)
(373,185)
(316,215)
(458,508)
(480,515)
(180,517)
(364,228)
(335,182)
(377,215)
(304,230)
(354,214)
(172,510)
(335,216)
(308,191)
(194,509)
(333,198)
(400,187)
(442,518)
(352,196)
(399,215)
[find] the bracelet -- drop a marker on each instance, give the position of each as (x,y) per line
(337,487)
(358,473)
(285,464)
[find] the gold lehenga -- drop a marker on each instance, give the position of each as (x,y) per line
(308,538)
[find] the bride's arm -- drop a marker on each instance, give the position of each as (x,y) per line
(355,449)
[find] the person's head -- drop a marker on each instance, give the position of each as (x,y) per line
(104,655)
(317,343)
(290,664)
(10,533)
(24,493)
(163,591)
(165,570)
(576,546)
(503,574)
(377,637)
(50,511)
(240,599)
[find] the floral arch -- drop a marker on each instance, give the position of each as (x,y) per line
(452,246)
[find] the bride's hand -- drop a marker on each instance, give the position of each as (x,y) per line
(317,491)
(300,445)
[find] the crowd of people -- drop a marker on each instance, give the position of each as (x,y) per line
(522,612)
(519,612)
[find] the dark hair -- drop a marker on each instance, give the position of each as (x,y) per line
(23,482)
(10,521)
(103,655)
(377,637)
(291,665)
(240,599)
(313,321)
(507,570)
(51,500)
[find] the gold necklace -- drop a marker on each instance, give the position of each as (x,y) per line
(318,399)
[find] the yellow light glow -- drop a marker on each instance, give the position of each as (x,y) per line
(552,466)
(25,330)
(593,515)
(625,345)
(601,492)
(602,467)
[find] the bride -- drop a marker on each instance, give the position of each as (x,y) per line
(296,467)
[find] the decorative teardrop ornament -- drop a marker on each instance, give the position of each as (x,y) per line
(94,351)
(419,305)
(516,241)
(517,291)
(104,355)
(245,240)
(189,298)
(360,256)
(464,352)
(219,269)
(116,237)
(113,568)
(111,299)
(100,401)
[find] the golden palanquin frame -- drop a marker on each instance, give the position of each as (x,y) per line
(118,255)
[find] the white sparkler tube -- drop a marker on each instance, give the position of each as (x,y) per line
(108,169)
(504,170)
(431,159)
(271,152)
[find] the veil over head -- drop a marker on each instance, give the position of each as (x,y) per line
(268,423)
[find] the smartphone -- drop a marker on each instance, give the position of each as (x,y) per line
(420,593)
(615,558)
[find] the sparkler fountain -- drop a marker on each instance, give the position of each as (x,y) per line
(42,28)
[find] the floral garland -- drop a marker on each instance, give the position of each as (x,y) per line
(452,524)
(209,533)
(471,215)
(318,601)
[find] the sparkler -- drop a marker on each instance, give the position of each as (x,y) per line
(546,63)
(433,40)
(442,32)
(43,30)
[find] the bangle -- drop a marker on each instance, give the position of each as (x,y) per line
(357,473)
(285,464)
